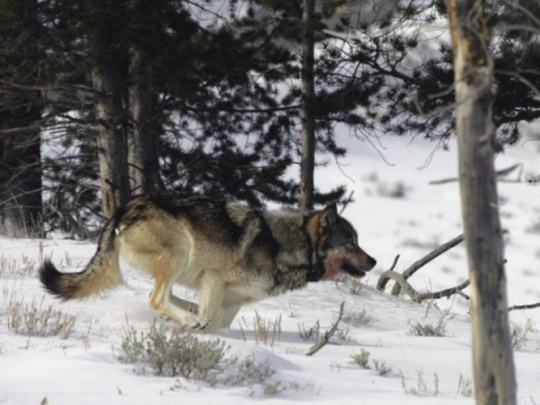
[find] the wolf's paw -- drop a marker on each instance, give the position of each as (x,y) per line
(199,323)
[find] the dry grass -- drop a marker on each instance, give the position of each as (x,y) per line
(465,386)
(519,334)
(359,318)
(36,319)
(266,332)
(420,386)
(311,333)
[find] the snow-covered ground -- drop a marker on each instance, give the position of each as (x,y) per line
(403,368)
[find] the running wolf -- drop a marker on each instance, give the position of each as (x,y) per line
(230,253)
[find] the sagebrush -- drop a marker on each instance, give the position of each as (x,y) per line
(172,351)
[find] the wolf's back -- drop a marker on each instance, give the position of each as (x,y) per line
(101,273)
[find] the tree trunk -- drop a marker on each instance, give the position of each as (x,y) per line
(20,173)
(142,151)
(493,365)
(21,57)
(111,132)
(308,119)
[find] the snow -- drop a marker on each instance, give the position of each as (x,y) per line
(84,368)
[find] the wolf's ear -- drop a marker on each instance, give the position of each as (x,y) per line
(329,216)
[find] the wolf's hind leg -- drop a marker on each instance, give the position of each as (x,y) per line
(160,300)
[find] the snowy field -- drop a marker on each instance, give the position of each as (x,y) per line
(395,211)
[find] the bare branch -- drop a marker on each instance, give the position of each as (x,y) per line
(347,202)
(419,297)
(383,280)
(499,173)
(519,307)
(413,268)
(447,293)
(323,340)
(404,285)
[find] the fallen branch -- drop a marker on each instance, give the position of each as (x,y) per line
(401,283)
(417,265)
(419,297)
(499,173)
(323,340)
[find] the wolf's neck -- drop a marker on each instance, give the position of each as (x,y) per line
(291,231)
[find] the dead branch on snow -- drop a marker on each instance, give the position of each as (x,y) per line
(325,338)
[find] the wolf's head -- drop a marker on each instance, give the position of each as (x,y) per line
(338,246)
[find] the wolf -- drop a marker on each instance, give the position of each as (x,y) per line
(231,254)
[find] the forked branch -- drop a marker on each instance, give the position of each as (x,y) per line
(401,283)
(413,268)
(325,338)
(415,295)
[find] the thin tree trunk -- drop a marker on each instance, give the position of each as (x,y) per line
(111,132)
(493,364)
(308,120)
(142,150)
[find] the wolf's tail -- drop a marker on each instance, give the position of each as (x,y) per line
(101,273)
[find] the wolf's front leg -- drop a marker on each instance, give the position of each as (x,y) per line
(228,315)
(211,294)
(184,304)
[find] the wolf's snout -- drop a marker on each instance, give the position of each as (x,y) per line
(371,262)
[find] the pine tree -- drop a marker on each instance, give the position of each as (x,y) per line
(423,97)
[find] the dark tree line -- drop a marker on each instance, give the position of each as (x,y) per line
(101,99)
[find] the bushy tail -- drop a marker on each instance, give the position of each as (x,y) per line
(101,273)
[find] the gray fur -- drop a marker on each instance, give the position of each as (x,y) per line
(231,254)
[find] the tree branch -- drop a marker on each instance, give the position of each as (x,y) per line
(519,307)
(403,285)
(419,297)
(323,340)
(413,268)
(499,173)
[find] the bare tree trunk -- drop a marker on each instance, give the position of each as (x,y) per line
(21,205)
(111,132)
(20,173)
(142,151)
(493,364)
(307,184)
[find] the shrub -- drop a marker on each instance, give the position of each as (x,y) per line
(171,352)
(519,334)
(309,333)
(362,358)
(36,320)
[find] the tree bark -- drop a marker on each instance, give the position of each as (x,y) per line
(21,205)
(307,184)
(493,366)
(21,110)
(142,151)
(111,131)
